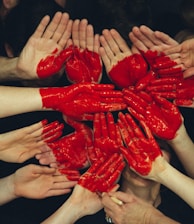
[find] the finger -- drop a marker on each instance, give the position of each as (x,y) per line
(41,27)
(61,28)
(63,42)
(46,158)
(105,59)
(96,43)
(120,41)
(37,169)
(149,37)
(136,42)
(51,28)
(189,72)
(82,33)
(173,50)
(90,38)
(110,41)
(75,33)
(165,38)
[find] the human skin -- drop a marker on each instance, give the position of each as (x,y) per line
(34,181)
(22,144)
(134,209)
(46,38)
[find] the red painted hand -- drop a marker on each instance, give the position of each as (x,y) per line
(103,174)
(162,65)
(128,71)
(81,101)
(52,131)
(141,148)
(83,66)
(53,63)
(180,90)
(107,139)
(162,117)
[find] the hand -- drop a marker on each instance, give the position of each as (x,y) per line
(118,59)
(162,116)
(81,101)
(141,149)
(107,138)
(20,145)
(144,39)
(183,55)
(103,174)
(41,58)
(69,152)
(89,202)
(37,182)
(81,202)
(152,44)
(180,91)
(133,209)
(84,65)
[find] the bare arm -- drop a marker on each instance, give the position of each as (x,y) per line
(184,149)
(16,100)
(173,179)
(82,202)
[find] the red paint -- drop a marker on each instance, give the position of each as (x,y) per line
(53,63)
(83,66)
(140,148)
(103,174)
(128,71)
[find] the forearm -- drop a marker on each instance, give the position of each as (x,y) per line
(7,190)
(184,149)
(179,183)
(68,213)
(16,100)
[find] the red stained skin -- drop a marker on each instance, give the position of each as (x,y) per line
(84,66)
(53,63)
(128,71)
(71,151)
(103,174)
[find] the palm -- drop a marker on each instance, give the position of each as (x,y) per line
(38,182)
(24,143)
(35,50)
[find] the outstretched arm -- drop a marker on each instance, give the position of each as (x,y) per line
(184,149)
(77,101)
(144,156)
(82,202)
(34,181)
(85,199)
(46,43)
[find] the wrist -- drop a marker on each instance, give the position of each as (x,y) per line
(8,70)
(7,189)
(50,97)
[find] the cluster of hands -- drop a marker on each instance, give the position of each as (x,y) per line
(152,80)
